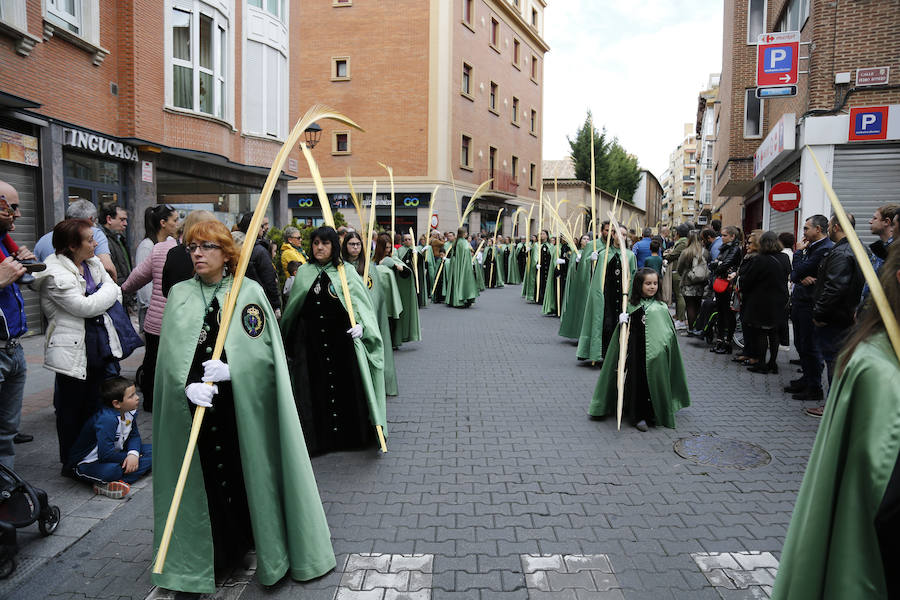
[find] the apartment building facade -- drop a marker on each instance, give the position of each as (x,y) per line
(846,111)
(680,181)
(450,93)
(706,142)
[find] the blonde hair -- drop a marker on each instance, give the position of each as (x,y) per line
(194,217)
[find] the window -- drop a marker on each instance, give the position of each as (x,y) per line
(534,17)
(465,153)
(466,88)
(273,7)
(493,101)
(340,68)
(495,34)
(515,168)
(340,142)
(533,123)
(515,110)
(753,114)
(756,20)
(66,14)
(468,11)
(794,17)
(492,162)
(534,67)
(517,46)
(199,59)
(532,175)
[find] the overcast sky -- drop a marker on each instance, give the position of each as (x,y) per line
(639,66)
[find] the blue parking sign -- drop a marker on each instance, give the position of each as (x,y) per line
(778,59)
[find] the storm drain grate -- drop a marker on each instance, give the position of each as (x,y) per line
(722,452)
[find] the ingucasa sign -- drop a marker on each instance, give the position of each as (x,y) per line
(83,140)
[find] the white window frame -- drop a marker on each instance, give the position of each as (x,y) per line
(753,40)
(14,13)
(270,33)
(221,71)
(334,68)
(61,17)
(747,93)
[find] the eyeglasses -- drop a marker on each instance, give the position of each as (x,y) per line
(203,248)
(353,244)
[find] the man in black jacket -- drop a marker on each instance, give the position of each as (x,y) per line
(810,253)
(263,271)
(839,284)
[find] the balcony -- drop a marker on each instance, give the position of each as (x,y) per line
(502,181)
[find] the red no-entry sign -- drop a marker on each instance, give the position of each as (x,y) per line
(784,196)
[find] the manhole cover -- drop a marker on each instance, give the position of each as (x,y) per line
(722,452)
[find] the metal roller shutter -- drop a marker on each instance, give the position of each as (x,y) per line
(866,177)
(781,222)
(23,179)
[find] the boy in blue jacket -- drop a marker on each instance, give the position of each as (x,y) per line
(109,452)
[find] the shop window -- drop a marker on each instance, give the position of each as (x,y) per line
(517,50)
(199,58)
(465,154)
(756,20)
(515,111)
(340,142)
(753,114)
(340,68)
(493,103)
(466,88)
(495,34)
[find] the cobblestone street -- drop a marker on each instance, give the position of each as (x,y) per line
(497,485)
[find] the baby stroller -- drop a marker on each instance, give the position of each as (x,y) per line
(21,504)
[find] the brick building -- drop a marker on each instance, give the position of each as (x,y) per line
(706,142)
(763,142)
(447,91)
(680,203)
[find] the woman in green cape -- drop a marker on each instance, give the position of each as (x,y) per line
(513,276)
(493,265)
(655,383)
(460,287)
(559,260)
(600,307)
(577,284)
(530,275)
(546,264)
(842,541)
(337,370)
(250,483)
(409,252)
(385,301)
(404,328)
(478,270)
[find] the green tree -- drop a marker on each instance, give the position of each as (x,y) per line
(614,169)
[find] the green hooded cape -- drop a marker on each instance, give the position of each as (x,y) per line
(459,284)
(665,370)
(369,348)
(286,513)
(549,305)
(407,329)
(512,267)
(578,282)
(386,301)
(831,550)
(590,342)
(496,257)
(530,279)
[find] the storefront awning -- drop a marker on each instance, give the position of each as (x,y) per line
(13,101)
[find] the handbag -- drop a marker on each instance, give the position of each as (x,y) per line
(128,337)
(699,272)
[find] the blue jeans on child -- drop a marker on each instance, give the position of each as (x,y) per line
(101,472)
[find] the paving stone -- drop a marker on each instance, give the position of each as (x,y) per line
(553,562)
(579,562)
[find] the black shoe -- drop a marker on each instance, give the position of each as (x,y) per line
(795,388)
(723,349)
(773,369)
(597,417)
(761,368)
(798,381)
(642,425)
(22,438)
(794,361)
(809,394)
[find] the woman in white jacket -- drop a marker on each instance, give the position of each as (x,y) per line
(76,287)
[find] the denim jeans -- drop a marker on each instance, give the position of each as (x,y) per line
(805,342)
(12,387)
(829,341)
(100,472)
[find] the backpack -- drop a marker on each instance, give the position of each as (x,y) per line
(699,272)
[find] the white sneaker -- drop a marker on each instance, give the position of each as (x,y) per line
(680,325)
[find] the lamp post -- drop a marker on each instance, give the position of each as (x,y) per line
(312,134)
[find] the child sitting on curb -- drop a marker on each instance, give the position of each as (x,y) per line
(109,452)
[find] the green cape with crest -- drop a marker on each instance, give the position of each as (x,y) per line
(286,513)
(578,281)
(512,266)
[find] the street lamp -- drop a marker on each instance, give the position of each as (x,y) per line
(313,134)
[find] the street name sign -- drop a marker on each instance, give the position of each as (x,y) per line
(784,196)
(873,76)
(777,58)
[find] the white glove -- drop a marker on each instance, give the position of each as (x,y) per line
(201,394)
(577,257)
(355,331)
(560,261)
(537,266)
(594,256)
(624,318)
(446,258)
(480,258)
(215,370)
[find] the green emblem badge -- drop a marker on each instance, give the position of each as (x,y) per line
(253,320)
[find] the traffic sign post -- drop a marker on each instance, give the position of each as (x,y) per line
(777,58)
(784,196)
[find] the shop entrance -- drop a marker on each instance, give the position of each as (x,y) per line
(92,179)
